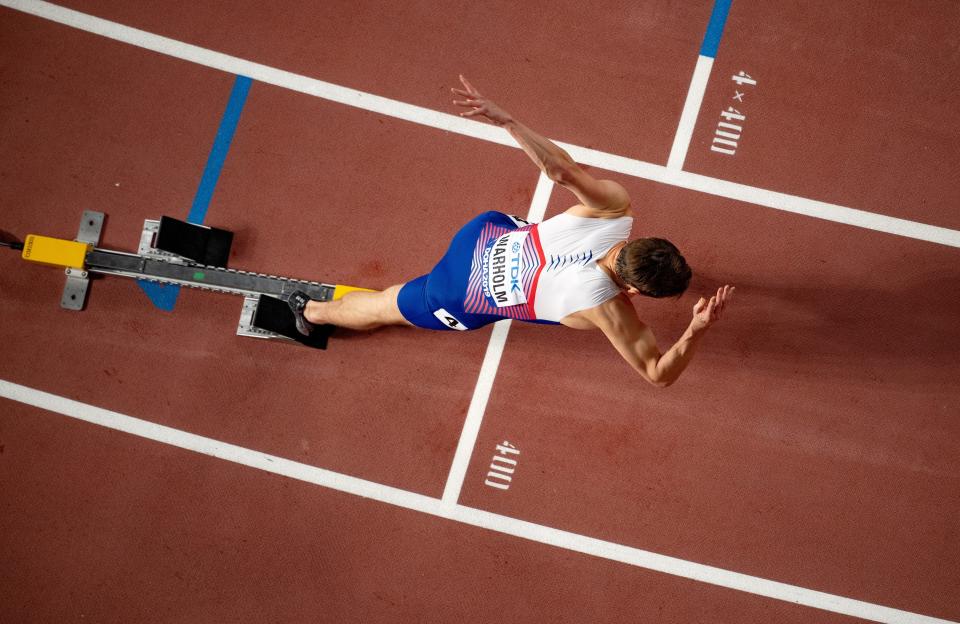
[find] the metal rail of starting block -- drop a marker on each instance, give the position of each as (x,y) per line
(264,314)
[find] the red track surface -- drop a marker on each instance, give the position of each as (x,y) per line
(814,441)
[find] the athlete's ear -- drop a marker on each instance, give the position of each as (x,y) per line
(631,291)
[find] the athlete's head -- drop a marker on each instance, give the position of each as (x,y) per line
(654,267)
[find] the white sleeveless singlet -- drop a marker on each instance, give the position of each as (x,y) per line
(543,271)
(571,279)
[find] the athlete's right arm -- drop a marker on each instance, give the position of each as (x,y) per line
(599,198)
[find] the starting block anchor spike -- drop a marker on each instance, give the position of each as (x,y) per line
(91,224)
(78,281)
(75,290)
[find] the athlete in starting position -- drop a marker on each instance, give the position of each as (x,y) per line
(577,269)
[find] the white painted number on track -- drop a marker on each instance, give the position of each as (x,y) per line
(502,467)
(727,134)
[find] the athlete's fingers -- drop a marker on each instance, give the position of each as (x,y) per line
(468,86)
(710,306)
(698,307)
(466,94)
(471,113)
(463,102)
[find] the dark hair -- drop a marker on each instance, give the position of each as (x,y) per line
(653,266)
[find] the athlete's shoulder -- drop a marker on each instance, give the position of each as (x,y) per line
(613,315)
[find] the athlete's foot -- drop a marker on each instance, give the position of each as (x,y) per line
(298,303)
(312,312)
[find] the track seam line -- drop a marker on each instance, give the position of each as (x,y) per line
(479,130)
(488,370)
(459,513)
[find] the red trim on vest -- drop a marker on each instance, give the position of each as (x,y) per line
(535,236)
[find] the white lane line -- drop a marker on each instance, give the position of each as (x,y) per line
(215,448)
(479,130)
(488,371)
(813,208)
(259,72)
(478,405)
(459,513)
(762,197)
(541,197)
(691,110)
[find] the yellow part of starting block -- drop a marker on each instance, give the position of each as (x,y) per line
(55,251)
(340,290)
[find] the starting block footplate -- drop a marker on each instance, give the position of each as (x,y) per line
(274,316)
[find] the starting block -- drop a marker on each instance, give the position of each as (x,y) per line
(176,252)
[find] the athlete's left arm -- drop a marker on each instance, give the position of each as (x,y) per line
(635,341)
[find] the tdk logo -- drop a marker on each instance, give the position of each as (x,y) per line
(515,273)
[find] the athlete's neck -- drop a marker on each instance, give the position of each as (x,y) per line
(609,263)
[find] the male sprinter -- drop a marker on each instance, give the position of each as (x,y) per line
(577,269)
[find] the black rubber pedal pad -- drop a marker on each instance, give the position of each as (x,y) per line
(206,245)
(274,315)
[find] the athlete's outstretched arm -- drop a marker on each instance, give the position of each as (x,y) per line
(600,198)
(636,343)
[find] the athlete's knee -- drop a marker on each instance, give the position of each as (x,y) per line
(393,292)
(390,307)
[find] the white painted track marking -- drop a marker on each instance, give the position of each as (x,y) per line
(478,406)
(488,370)
(691,110)
(459,513)
(480,130)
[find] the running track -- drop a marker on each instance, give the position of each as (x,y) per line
(803,470)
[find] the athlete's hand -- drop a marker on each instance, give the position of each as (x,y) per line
(479,104)
(706,313)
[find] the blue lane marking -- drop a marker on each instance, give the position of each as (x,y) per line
(711,41)
(218,154)
(165,296)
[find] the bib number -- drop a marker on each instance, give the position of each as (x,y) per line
(449,320)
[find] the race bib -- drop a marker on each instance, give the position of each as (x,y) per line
(449,320)
(502,270)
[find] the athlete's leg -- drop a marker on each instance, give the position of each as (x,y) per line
(410,304)
(358,310)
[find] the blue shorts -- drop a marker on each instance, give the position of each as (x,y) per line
(436,300)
